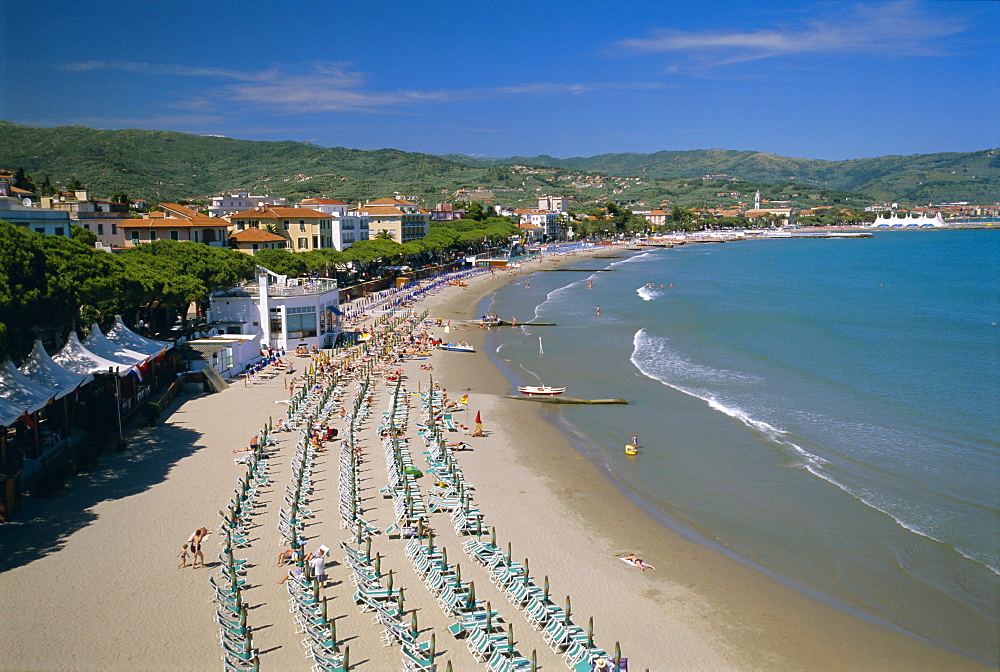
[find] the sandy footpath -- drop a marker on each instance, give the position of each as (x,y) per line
(89,581)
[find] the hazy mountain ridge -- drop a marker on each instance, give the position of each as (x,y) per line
(918,177)
(166,165)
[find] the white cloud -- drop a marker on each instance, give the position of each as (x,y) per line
(331,87)
(898,28)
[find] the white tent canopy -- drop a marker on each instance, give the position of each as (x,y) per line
(40,368)
(75,357)
(99,344)
(127,338)
(24,395)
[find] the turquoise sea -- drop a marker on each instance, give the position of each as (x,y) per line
(824,410)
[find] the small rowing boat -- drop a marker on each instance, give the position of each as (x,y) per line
(541,390)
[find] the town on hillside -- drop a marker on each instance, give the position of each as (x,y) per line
(250,223)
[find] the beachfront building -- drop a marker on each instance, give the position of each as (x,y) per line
(547,219)
(770,216)
(222,206)
(347,226)
(531,234)
(102,218)
(176,222)
(251,240)
(403,220)
(282,312)
(303,229)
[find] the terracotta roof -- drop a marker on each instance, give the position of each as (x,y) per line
(278,213)
(529,227)
(255,235)
(180,210)
(173,223)
(383,210)
(321,201)
(390,201)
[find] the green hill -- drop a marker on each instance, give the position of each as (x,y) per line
(919,178)
(169,166)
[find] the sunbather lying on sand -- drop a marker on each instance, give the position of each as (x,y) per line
(636,561)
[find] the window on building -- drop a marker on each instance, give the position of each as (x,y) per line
(175,235)
(135,237)
(39,229)
(303,243)
(302,322)
(239,225)
(315,241)
(302,225)
(275,320)
(100,229)
(286,225)
(254,247)
(152,235)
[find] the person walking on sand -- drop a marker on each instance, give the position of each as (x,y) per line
(183,555)
(195,541)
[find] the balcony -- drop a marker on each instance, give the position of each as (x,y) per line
(299,288)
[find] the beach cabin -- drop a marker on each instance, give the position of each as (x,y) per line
(283,312)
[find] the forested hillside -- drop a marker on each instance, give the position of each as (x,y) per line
(168,166)
(919,178)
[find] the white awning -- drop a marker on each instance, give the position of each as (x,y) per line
(127,338)
(99,344)
(75,357)
(40,368)
(24,395)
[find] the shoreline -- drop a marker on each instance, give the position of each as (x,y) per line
(99,590)
(762,620)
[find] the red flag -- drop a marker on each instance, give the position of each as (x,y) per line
(30,423)
(479,420)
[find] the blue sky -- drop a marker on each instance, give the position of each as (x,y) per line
(827,79)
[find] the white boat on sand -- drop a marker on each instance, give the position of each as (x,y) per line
(541,390)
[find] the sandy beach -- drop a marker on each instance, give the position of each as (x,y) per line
(89,578)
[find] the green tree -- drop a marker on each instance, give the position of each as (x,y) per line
(23,181)
(74,184)
(85,236)
(120,197)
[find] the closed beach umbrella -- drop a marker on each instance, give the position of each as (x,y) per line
(388,583)
(525,571)
(413,624)
(545,589)
(590,632)
(618,655)
(489,618)
(567,609)
(493,537)
(534,660)
(470,599)
(333,631)
(510,636)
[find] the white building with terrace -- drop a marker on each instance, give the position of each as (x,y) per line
(284,312)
